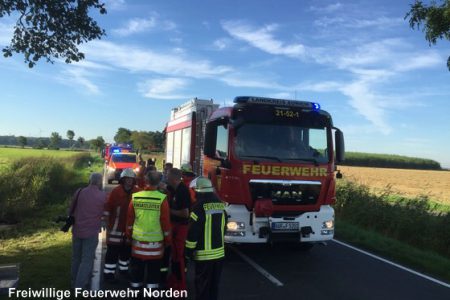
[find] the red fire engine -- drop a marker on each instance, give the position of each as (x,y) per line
(272,161)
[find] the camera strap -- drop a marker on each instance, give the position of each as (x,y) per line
(72,211)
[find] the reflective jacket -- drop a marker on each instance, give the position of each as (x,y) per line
(116,209)
(206,232)
(148,224)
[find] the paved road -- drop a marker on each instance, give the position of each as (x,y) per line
(325,272)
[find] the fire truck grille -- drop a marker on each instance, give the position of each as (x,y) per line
(286,192)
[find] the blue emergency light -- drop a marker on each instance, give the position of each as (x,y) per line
(116,151)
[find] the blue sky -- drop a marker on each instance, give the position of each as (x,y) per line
(384,86)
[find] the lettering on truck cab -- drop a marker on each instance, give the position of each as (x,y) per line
(283,170)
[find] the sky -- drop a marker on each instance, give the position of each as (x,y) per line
(384,85)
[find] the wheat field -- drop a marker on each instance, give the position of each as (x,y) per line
(435,184)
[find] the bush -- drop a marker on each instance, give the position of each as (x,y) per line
(413,221)
(31,183)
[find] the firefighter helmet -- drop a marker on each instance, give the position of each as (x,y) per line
(203,185)
(186,168)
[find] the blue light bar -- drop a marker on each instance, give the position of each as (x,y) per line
(116,150)
(277,102)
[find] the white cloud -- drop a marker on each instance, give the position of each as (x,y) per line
(263,39)
(138,25)
(327,8)
(135,25)
(77,77)
(324,86)
(250,81)
(222,43)
(137,59)
(355,23)
(6,33)
(165,88)
(115,4)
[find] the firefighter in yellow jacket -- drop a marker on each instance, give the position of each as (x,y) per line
(205,240)
(148,225)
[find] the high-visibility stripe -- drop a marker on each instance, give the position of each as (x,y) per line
(107,271)
(194,216)
(123,262)
(116,221)
(191,245)
(116,240)
(207,252)
(213,211)
(110,266)
(164,270)
(208,232)
(115,232)
(136,284)
(152,285)
(223,227)
(123,268)
(203,258)
(150,245)
(147,253)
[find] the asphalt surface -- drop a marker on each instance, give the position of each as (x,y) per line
(327,272)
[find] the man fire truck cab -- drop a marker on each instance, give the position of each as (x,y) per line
(271,160)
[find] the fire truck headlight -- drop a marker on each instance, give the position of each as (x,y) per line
(328,224)
(235,226)
(136,169)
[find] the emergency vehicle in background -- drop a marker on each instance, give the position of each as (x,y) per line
(117,163)
(114,148)
(273,162)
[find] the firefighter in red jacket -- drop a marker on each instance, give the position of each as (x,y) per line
(118,249)
(148,226)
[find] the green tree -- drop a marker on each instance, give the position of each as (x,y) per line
(435,20)
(159,140)
(51,29)
(22,141)
(123,135)
(55,139)
(142,140)
(40,143)
(81,141)
(70,135)
(97,144)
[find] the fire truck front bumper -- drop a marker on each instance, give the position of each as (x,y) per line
(244,227)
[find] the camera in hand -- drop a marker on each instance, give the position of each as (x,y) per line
(69,221)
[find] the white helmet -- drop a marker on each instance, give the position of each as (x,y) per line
(127,173)
(203,185)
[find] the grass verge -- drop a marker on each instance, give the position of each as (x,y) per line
(427,262)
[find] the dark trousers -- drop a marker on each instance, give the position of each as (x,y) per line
(207,278)
(117,254)
(145,273)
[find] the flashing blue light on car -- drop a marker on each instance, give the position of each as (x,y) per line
(316,106)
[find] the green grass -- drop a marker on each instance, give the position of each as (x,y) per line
(419,259)
(43,252)
(362,159)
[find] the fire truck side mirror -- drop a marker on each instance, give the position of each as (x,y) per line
(340,147)
(210,140)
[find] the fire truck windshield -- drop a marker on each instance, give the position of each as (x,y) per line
(125,158)
(285,143)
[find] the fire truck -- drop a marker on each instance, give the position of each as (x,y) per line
(113,148)
(273,161)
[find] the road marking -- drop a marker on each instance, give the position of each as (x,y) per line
(393,264)
(96,270)
(257,267)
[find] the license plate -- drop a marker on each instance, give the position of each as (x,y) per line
(285,226)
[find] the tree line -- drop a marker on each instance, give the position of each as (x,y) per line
(141,140)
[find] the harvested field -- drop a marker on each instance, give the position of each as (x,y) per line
(435,184)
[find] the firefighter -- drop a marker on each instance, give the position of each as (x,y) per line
(180,203)
(148,226)
(116,207)
(205,240)
(187,174)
